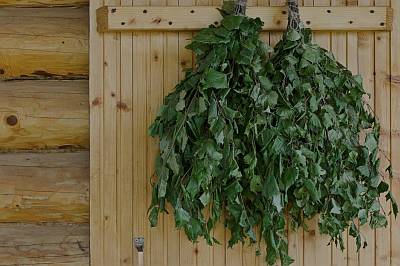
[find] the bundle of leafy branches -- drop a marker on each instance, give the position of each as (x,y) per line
(316,148)
(255,142)
(206,163)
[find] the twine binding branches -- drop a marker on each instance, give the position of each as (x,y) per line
(293,15)
(240,7)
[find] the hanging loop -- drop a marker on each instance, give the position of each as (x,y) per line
(293,15)
(240,7)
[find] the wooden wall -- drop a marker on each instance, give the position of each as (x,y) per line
(136,70)
(44,132)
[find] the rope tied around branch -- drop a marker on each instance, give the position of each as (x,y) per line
(240,7)
(294,21)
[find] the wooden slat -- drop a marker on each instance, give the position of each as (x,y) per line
(382,111)
(204,251)
(114,18)
(367,69)
(187,255)
(171,78)
(44,114)
(395,128)
(125,170)
(155,96)
(316,249)
(42,3)
(96,96)
(339,49)
(44,187)
(44,244)
(110,174)
(53,40)
(141,184)
(352,64)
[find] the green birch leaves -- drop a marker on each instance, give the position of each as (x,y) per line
(208,155)
(328,163)
(257,142)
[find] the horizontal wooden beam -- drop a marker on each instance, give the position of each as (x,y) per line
(42,3)
(44,43)
(146,18)
(44,187)
(43,114)
(44,244)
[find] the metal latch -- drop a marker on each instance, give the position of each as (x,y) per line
(139,245)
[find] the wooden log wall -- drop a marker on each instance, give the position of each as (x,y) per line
(44,132)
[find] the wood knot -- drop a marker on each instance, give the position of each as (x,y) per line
(2,71)
(312,232)
(156,57)
(196,251)
(183,63)
(122,106)
(96,101)
(393,79)
(11,120)
(112,94)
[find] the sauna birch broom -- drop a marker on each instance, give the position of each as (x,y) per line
(317,163)
(203,130)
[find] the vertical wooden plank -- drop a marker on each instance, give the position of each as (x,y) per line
(338,43)
(111,96)
(296,239)
(352,64)
(395,127)
(125,151)
(275,37)
(322,38)
(204,252)
(249,251)
(339,49)
(141,184)
(309,235)
(188,250)
(260,260)
(264,34)
(154,101)
(171,78)
(382,111)
(316,249)
(219,251)
(96,136)
(234,255)
(237,255)
(366,69)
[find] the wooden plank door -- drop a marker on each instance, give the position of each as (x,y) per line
(131,72)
